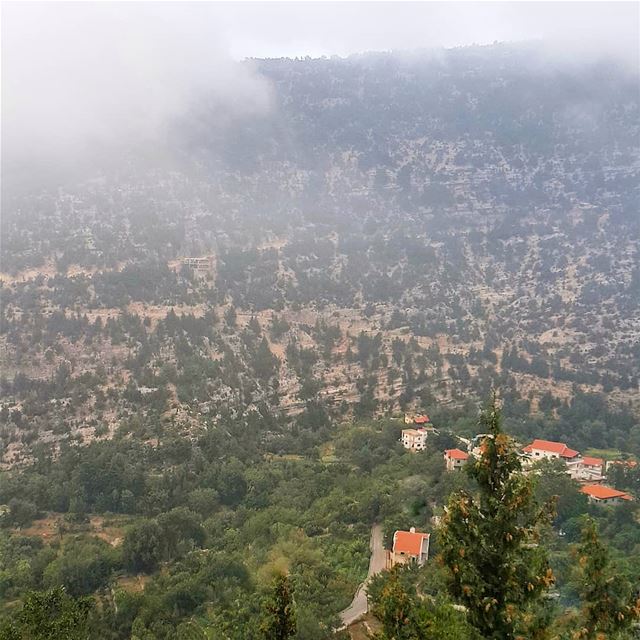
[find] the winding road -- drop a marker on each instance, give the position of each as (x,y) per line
(359,605)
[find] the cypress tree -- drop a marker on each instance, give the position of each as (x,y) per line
(489,540)
(279,622)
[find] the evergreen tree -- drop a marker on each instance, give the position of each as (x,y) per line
(396,610)
(609,609)
(265,364)
(254,326)
(279,621)
(489,541)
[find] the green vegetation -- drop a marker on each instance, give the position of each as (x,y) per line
(494,550)
(279,617)
(610,605)
(404,615)
(49,615)
(399,233)
(253,513)
(490,543)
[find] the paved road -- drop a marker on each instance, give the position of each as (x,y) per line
(359,605)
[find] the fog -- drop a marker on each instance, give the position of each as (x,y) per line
(570,29)
(79,80)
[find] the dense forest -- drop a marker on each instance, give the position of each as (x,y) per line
(200,448)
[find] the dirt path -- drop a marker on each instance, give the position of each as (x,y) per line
(358,606)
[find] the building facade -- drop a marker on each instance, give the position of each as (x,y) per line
(549,450)
(408,547)
(455,459)
(414,439)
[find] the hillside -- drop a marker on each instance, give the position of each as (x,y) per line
(207,347)
(419,227)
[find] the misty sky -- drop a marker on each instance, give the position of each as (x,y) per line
(342,28)
(78,76)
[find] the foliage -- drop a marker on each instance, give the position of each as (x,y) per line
(610,607)
(49,615)
(279,618)
(489,543)
(406,616)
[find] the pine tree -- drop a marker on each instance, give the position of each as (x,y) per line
(609,608)
(279,621)
(265,364)
(489,541)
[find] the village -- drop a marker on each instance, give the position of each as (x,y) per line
(590,472)
(411,547)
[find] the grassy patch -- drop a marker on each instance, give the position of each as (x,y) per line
(607,454)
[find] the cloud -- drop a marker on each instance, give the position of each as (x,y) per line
(83,79)
(326,28)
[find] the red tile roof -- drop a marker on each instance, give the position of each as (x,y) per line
(421,419)
(409,542)
(601,492)
(456,454)
(551,447)
(592,462)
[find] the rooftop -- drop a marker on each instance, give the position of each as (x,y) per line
(601,492)
(456,454)
(551,447)
(409,542)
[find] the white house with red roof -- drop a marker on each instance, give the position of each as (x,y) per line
(549,450)
(587,469)
(580,468)
(408,546)
(454,459)
(600,494)
(593,464)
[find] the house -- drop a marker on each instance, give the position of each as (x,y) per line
(454,459)
(549,450)
(414,439)
(420,420)
(590,468)
(585,469)
(595,465)
(408,546)
(599,494)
